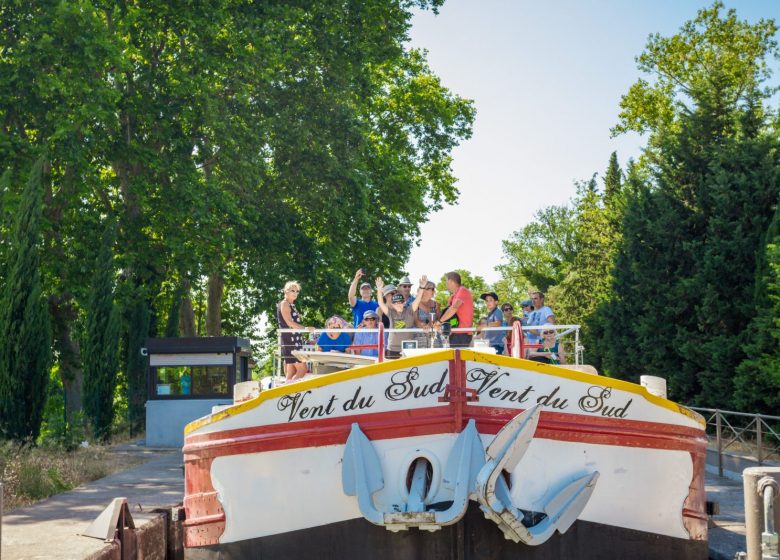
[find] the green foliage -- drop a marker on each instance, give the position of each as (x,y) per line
(757,378)
(25,344)
(101,343)
(256,143)
(135,365)
(714,60)
(664,272)
(541,252)
(685,270)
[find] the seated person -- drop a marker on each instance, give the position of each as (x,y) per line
(334,341)
(362,338)
(550,352)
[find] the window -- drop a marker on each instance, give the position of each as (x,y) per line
(195,381)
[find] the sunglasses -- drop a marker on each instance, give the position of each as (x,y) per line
(548,332)
(370,319)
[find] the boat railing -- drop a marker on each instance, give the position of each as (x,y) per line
(756,435)
(519,338)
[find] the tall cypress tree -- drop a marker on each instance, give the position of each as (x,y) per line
(757,379)
(138,325)
(25,338)
(100,350)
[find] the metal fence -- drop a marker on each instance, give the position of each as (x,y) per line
(753,435)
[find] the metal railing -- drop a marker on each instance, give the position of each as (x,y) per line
(755,434)
(563,330)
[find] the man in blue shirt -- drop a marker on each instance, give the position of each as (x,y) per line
(494,319)
(365,303)
(363,338)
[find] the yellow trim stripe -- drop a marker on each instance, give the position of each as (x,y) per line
(574,375)
(441,356)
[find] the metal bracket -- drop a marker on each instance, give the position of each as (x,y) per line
(454,393)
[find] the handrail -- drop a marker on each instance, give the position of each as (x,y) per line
(381,330)
(758,425)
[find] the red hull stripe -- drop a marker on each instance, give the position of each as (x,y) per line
(437,420)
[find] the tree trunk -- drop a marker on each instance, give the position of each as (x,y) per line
(186,312)
(214,310)
(63,314)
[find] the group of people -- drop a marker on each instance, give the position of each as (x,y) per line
(399,309)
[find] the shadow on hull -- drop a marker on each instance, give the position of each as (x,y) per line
(472,538)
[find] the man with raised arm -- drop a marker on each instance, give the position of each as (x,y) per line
(400,316)
(460,305)
(365,303)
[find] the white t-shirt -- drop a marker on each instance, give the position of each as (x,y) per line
(537,318)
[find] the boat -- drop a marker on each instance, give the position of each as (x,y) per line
(449,453)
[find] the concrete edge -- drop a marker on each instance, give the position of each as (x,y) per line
(731,475)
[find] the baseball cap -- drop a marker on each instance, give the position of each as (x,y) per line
(369,315)
(494,295)
(365,285)
(526,303)
(398,298)
(389,289)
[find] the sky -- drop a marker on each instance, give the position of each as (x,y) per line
(546,78)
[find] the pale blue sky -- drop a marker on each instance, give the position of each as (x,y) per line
(546,78)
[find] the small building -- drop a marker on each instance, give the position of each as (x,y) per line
(186,378)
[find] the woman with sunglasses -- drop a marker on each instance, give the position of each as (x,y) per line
(289,318)
(550,352)
(334,340)
(427,312)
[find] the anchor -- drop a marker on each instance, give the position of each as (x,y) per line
(492,491)
(470,472)
(361,476)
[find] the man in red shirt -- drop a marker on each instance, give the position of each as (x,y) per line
(460,304)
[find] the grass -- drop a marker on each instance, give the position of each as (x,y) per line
(30,474)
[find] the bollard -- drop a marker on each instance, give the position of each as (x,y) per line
(761,484)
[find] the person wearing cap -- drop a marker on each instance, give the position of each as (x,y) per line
(494,319)
(334,339)
(365,338)
(387,294)
(460,305)
(405,289)
(527,306)
(365,303)
(400,317)
(427,312)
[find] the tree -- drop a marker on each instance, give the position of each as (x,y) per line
(237,146)
(541,252)
(757,379)
(101,343)
(25,341)
(686,268)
